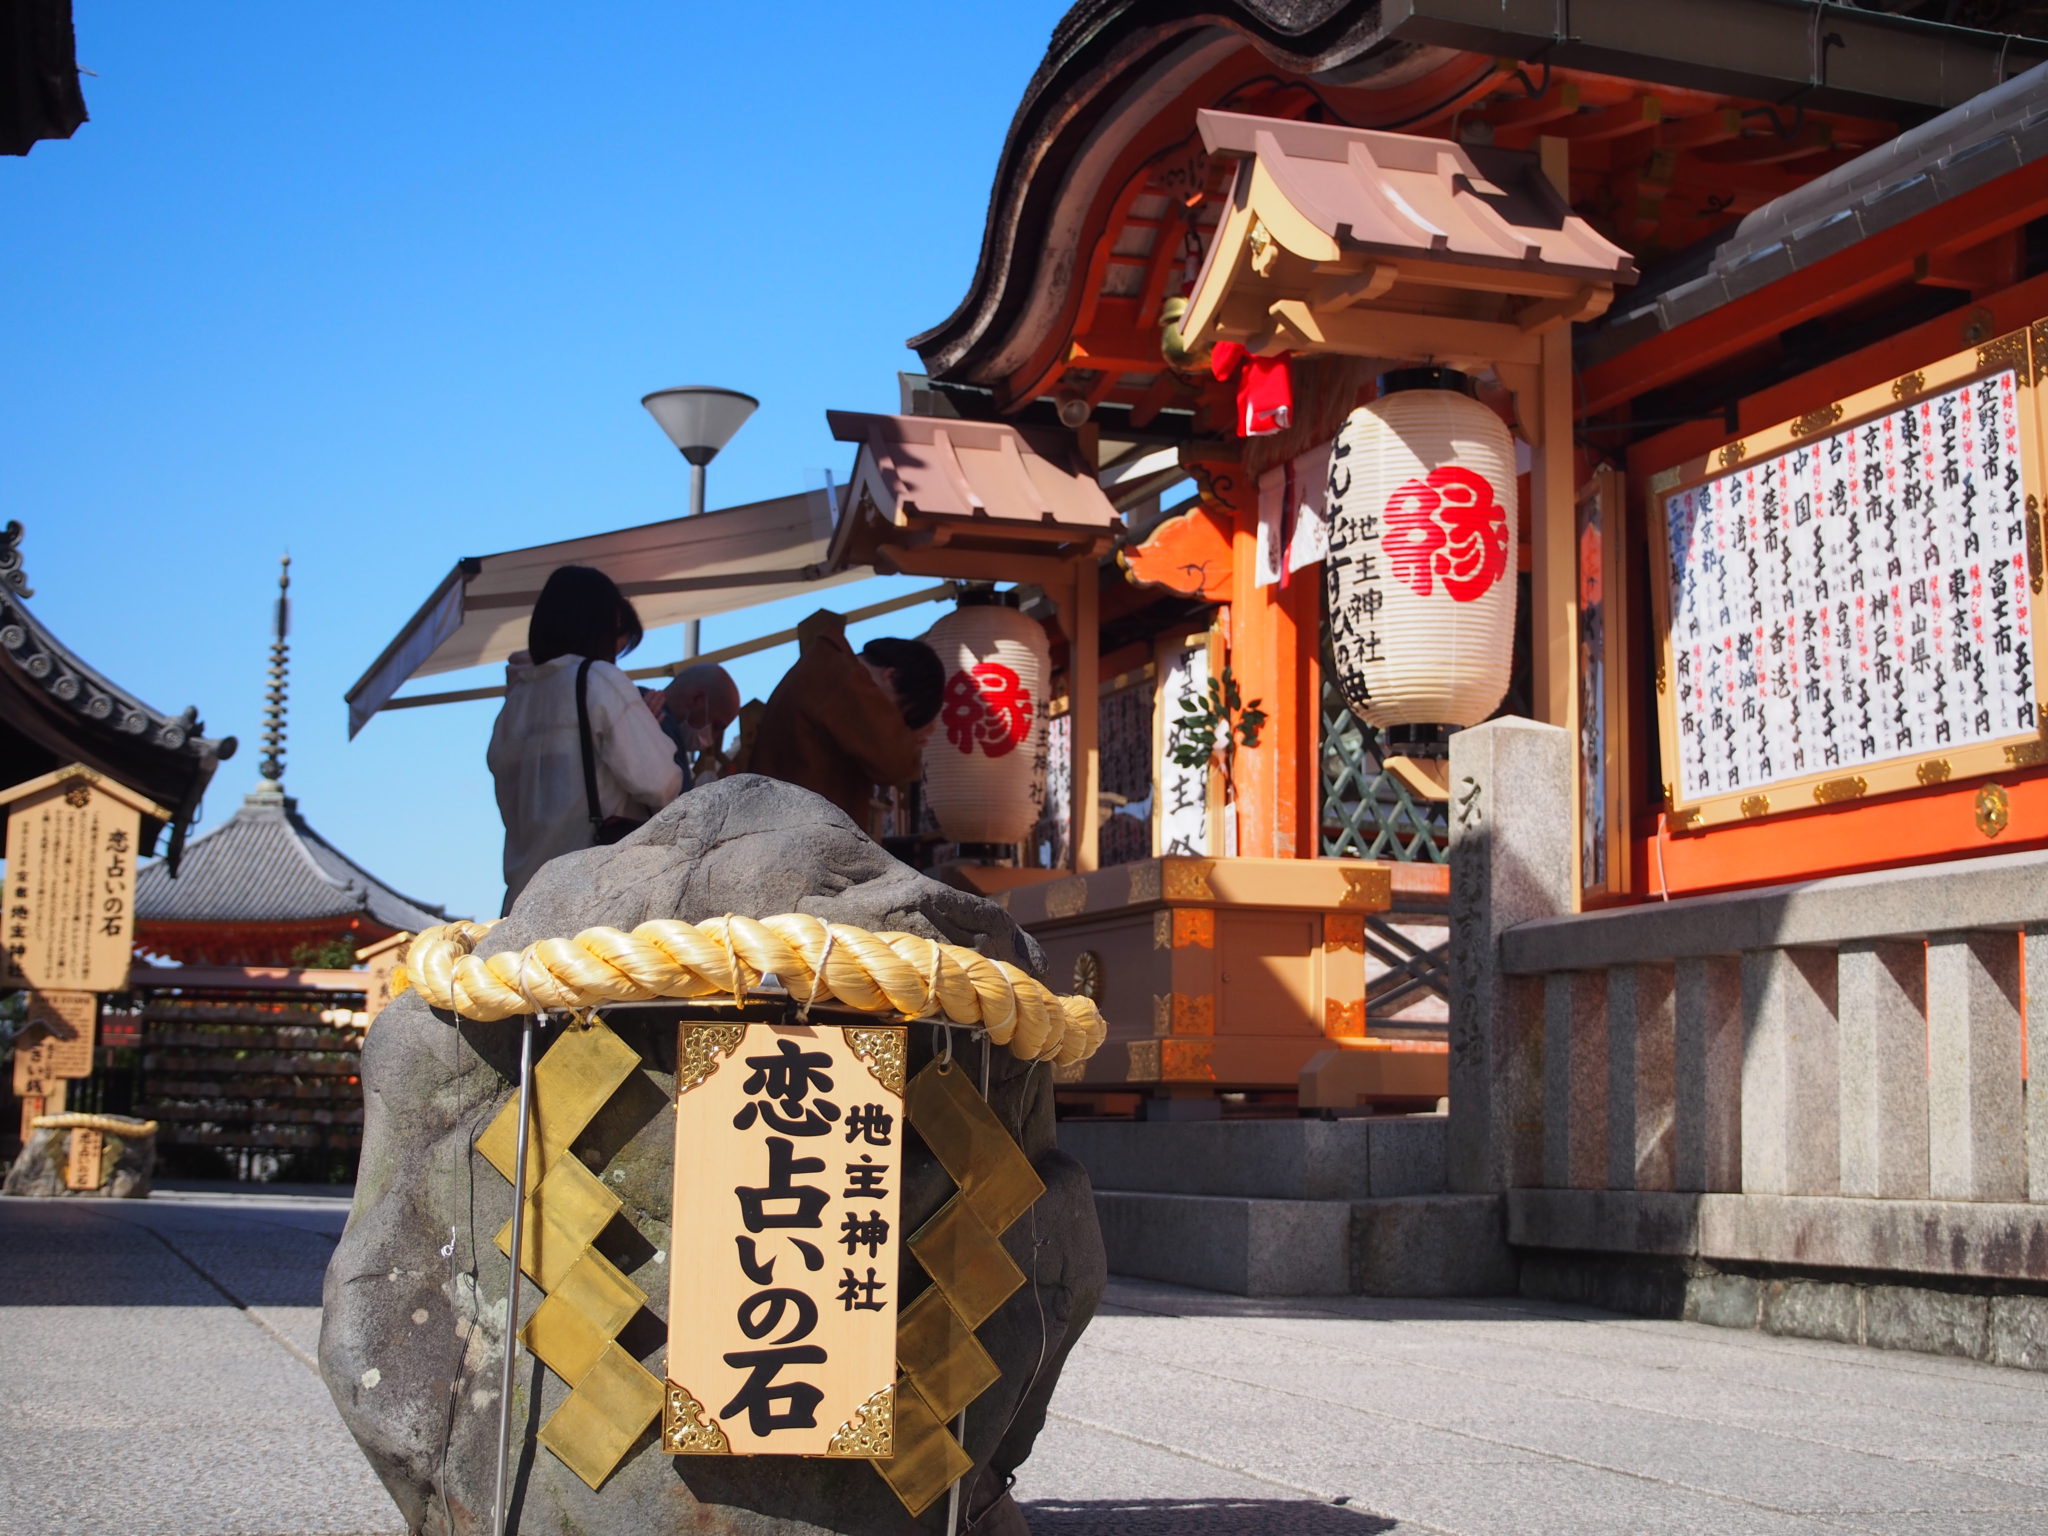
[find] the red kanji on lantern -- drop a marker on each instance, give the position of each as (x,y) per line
(988,705)
(1447,528)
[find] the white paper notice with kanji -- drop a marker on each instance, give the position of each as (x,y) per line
(1861,597)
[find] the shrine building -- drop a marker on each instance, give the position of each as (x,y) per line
(1735,305)
(1519,528)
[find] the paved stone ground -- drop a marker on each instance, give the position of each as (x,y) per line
(156,1379)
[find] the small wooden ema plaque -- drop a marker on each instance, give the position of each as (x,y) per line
(72,841)
(782,1303)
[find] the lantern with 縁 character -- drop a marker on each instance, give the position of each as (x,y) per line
(984,764)
(1420,579)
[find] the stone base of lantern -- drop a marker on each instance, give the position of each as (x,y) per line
(1219,975)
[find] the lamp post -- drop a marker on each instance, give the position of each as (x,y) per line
(699,419)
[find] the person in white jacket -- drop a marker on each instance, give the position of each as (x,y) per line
(536,754)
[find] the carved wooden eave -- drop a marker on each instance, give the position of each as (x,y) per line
(1362,243)
(976,501)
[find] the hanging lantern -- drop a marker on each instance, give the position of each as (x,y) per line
(984,765)
(1420,580)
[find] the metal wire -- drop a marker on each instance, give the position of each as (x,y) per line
(512,1290)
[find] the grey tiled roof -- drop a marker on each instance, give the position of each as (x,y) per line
(56,711)
(265,864)
(1986,137)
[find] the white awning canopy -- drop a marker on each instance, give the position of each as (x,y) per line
(684,568)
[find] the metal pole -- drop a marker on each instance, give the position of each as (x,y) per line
(960,1424)
(512,1290)
(696,510)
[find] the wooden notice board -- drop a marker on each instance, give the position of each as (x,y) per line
(73,838)
(782,1304)
(64,1027)
(1846,603)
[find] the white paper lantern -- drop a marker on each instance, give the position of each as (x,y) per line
(984,765)
(1420,578)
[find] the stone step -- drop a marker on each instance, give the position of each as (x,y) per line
(1419,1245)
(1285,1160)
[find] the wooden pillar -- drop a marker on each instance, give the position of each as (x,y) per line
(1553,536)
(1086,693)
(1274,644)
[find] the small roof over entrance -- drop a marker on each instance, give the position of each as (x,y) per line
(1377,244)
(682,568)
(262,884)
(977,500)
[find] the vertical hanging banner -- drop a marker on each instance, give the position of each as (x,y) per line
(72,841)
(1181,794)
(1599,672)
(782,1307)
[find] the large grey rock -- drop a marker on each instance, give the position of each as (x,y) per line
(414,1320)
(128,1162)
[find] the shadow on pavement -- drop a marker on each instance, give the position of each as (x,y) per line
(1199,1517)
(57,1253)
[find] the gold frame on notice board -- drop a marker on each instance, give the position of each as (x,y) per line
(2023,351)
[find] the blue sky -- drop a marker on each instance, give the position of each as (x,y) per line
(383,284)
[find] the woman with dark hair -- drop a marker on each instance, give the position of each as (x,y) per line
(577,753)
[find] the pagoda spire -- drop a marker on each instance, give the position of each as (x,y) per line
(280,671)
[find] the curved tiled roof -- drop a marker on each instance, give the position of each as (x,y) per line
(266,865)
(55,711)
(1988,136)
(1113,65)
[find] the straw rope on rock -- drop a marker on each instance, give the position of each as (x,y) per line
(416,1293)
(110,1125)
(894,973)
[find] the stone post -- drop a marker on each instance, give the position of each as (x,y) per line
(1511,862)
(1883,995)
(1707,1004)
(1791,1073)
(1976,1109)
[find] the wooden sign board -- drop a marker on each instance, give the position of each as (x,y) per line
(1847,601)
(782,1307)
(72,841)
(40,1063)
(33,1105)
(84,1160)
(65,1026)
(381,962)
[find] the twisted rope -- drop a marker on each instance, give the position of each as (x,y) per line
(108,1125)
(894,973)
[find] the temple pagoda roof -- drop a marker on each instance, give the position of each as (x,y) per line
(261,883)
(55,711)
(264,883)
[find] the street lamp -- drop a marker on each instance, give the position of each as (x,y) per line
(699,419)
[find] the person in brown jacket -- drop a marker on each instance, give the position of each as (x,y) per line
(840,724)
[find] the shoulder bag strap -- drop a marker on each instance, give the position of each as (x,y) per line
(589,755)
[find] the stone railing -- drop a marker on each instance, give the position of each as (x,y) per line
(1828,1075)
